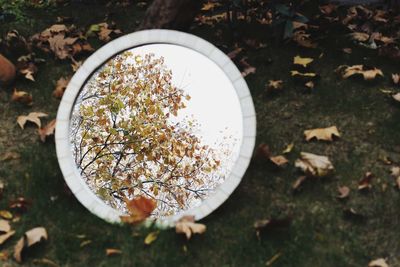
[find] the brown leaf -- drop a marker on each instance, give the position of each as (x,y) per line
(32,117)
(61,85)
(20,204)
(365,182)
(210,6)
(396,78)
(22,97)
(359,36)
(28,69)
(248,69)
(369,73)
(113,251)
(310,84)
(378,263)
(327,9)
(105,32)
(344,192)
(396,97)
(30,238)
(187,226)
(4,226)
(325,134)
(395,173)
(279,160)
(151,237)
(314,165)
(139,209)
(47,130)
(303,61)
(235,52)
(6,236)
(303,39)
(274,85)
(296,73)
(61,45)
(288,148)
(347,50)
(6,214)
(299,182)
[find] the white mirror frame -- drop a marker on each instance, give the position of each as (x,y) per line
(63,146)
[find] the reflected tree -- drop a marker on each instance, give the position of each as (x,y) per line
(126,143)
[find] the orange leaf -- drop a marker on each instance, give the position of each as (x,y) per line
(47,130)
(22,97)
(139,208)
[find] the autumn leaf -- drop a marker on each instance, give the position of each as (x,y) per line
(328,8)
(210,6)
(299,181)
(248,69)
(396,97)
(5,214)
(303,39)
(300,74)
(309,84)
(30,238)
(344,192)
(6,236)
(274,85)
(105,31)
(396,78)
(151,237)
(359,36)
(32,117)
(279,160)
(187,226)
(61,45)
(113,251)
(314,165)
(233,54)
(395,173)
(365,182)
(10,155)
(47,130)
(288,148)
(378,263)
(303,61)
(61,86)
(4,226)
(22,97)
(139,209)
(325,134)
(347,50)
(369,73)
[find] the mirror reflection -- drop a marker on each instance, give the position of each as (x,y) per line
(159,121)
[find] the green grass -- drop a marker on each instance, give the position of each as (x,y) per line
(320,234)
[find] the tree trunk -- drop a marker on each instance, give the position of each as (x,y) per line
(170,14)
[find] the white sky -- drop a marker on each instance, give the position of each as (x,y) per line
(214,102)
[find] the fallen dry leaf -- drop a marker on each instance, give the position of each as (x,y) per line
(3,255)
(248,69)
(314,165)
(395,173)
(378,263)
(84,243)
(105,32)
(279,160)
(20,204)
(359,36)
(151,237)
(61,45)
(344,192)
(347,50)
(32,117)
(365,182)
(328,8)
(61,86)
(4,226)
(30,238)
(307,74)
(303,61)
(235,52)
(6,236)
(274,85)
(113,251)
(47,130)
(288,148)
(5,214)
(396,97)
(303,39)
(187,226)
(210,6)
(299,181)
(139,209)
(21,97)
(369,73)
(309,84)
(396,78)
(325,134)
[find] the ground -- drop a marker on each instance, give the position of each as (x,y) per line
(320,233)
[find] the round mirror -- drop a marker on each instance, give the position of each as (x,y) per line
(157,115)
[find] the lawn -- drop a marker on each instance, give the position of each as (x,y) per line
(322,231)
